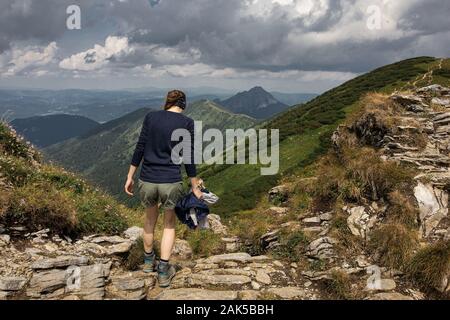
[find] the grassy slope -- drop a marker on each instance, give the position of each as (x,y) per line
(38,195)
(306,129)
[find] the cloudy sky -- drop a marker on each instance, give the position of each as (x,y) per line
(285,45)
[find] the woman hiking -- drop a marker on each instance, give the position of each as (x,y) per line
(160,179)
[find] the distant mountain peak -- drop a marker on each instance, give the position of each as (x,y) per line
(256,102)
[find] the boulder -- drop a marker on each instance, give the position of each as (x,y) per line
(46,282)
(359,221)
(433,206)
(88,282)
(279,194)
(133,233)
(128,287)
(182,250)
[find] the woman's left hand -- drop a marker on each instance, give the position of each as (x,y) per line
(197,193)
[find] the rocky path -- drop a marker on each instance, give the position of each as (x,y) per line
(37,266)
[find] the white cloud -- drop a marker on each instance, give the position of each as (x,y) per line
(24,60)
(99,56)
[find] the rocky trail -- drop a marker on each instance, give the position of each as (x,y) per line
(42,266)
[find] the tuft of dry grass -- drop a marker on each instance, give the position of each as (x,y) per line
(430,265)
(339,287)
(402,209)
(394,244)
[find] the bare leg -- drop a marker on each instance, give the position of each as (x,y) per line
(168,238)
(151,217)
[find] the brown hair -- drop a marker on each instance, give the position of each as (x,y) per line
(175,98)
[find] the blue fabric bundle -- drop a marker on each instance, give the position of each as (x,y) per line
(190,211)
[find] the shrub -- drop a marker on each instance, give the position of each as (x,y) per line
(394,244)
(41,206)
(430,265)
(98,213)
(12,144)
(16,171)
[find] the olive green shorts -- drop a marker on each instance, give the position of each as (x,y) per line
(168,194)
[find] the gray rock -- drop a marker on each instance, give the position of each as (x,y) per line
(249,295)
(216,226)
(263,277)
(322,248)
(390,296)
(12,283)
(218,280)
(129,287)
(359,221)
(46,282)
(87,282)
(279,193)
(60,262)
(238,257)
(196,294)
(134,233)
(313,221)
(277,211)
(182,250)
(288,292)
(119,248)
(4,295)
(433,206)
(107,240)
(4,239)
(270,239)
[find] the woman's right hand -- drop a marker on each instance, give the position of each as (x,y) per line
(129,185)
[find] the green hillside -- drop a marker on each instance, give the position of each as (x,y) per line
(35,195)
(305,130)
(103,155)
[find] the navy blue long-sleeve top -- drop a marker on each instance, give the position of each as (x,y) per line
(155,147)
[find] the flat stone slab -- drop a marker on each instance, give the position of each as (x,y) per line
(12,283)
(239,257)
(287,292)
(60,262)
(390,296)
(219,280)
(196,294)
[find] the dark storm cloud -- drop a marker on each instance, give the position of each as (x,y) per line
(331,35)
(30,20)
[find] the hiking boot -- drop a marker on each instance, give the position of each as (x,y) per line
(165,275)
(150,263)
